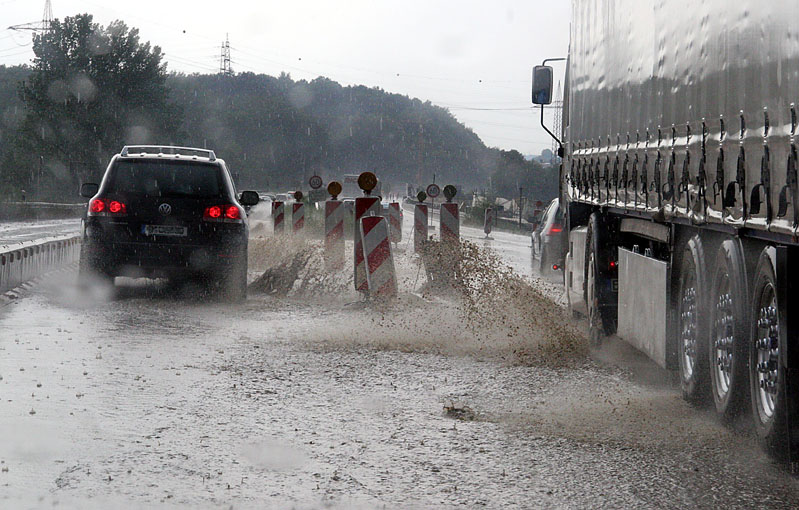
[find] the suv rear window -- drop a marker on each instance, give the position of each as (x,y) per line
(166,179)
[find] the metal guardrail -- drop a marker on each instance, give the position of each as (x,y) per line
(27,260)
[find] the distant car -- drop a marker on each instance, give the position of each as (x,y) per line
(167,212)
(264,204)
(549,238)
(384,205)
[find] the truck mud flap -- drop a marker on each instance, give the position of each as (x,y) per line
(789,340)
(644,304)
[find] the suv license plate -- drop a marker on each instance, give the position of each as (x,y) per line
(163,230)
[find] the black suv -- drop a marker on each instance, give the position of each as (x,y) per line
(169,212)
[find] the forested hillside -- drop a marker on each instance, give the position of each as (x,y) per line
(278,132)
(63,117)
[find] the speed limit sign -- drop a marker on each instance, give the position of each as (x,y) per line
(315,182)
(433,190)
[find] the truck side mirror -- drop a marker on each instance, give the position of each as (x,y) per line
(249,198)
(88,189)
(542,85)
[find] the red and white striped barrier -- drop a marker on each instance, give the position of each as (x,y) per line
(449,216)
(334,234)
(297,217)
(489,221)
(380,276)
(395,222)
(278,216)
(419,227)
(364,206)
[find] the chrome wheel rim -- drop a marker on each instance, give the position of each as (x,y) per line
(767,352)
(688,328)
(723,338)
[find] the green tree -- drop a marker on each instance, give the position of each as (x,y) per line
(513,171)
(92,89)
(12,114)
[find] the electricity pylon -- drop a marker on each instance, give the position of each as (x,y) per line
(38,26)
(557,124)
(225,67)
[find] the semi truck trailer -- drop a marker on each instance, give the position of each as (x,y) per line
(681,194)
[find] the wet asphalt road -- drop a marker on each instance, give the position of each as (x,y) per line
(148,397)
(19,231)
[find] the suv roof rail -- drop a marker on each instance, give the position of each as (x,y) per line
(142,150)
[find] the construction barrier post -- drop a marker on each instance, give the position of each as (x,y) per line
(364,206)
(380,275)
(395,222)
(278,216)
(419,227)
(334,234)
(298,217)
(449,217)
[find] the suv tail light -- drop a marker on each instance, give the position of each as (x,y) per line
(105,207)
(555,228)
(226,213)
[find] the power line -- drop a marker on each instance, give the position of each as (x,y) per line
(4,55)
(207,67)
(519,140)
(471,108)
(497,124)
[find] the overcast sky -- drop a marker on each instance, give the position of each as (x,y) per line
(473,57)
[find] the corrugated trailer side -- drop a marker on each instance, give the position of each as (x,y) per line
(680,154)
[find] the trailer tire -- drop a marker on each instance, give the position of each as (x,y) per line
(729,331)
(766,358)
(600,317)
(596,330)
(692,325)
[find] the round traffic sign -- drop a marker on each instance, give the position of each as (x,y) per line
(433,190)
(334,188)
(298,195)
(449,192)
(367,181)
(421,196)
(315,182)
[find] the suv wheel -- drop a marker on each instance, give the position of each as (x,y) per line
(232,284)
(90,274)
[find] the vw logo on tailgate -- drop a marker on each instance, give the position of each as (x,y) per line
(165,209)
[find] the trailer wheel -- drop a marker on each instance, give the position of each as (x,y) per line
(766,373)
(727,354)
(692,325)
(600,320)
(595,329)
